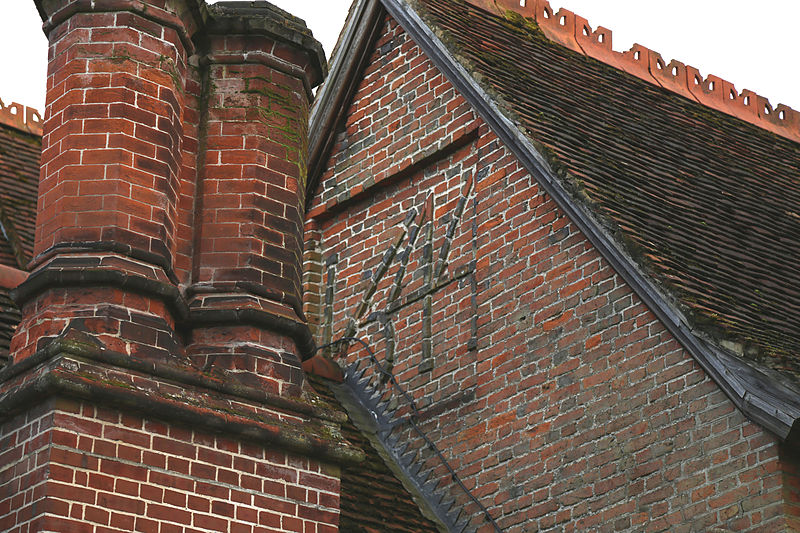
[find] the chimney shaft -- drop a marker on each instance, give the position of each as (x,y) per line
(108,191)
(254,170)
(247,259)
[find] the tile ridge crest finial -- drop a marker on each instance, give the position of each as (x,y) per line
(574,32)
(21,117)
(560,27)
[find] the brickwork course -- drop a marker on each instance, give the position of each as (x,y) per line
(578,341)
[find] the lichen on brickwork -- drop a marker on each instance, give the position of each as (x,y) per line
(281,113)
(167,64)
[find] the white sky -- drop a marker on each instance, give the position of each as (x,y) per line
(751,44)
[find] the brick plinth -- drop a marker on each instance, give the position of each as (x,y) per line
(253,356)
(91,437)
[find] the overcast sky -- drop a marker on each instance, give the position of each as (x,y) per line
(751,44)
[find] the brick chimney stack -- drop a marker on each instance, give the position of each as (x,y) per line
(162,330)
(108,192)
(170,208)
(248,256)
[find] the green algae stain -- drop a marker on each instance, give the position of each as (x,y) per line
(283,114)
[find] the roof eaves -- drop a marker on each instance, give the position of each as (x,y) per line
(762,394)
(350,54)
(756,393)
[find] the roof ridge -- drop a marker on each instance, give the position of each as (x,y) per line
(21,117)
(574,32)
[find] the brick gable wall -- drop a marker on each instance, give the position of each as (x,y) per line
(554,392)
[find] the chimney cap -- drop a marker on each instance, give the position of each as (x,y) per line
(260,17)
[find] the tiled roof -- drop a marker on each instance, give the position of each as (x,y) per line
(20,151)
(708,205)
(372,498)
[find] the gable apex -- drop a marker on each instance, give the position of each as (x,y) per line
(435,27)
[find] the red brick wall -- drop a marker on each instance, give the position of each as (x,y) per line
(248,217)
(565,403)
(70,466)
(184,171)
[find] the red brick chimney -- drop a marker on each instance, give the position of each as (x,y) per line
(109,184)
(247,265)
(156,375)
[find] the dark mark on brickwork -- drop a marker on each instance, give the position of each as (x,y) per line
(388,257)
(441,263)
(426,364)
(383,267)
(330,282)
(423,292)
(388,337)
(433,274)
(472,343)
(412,239)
